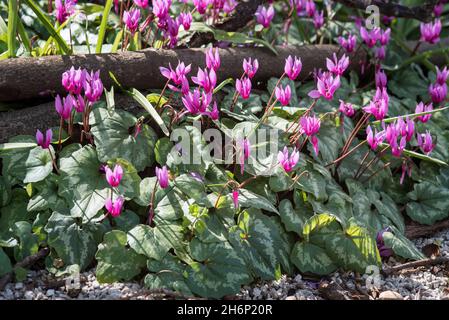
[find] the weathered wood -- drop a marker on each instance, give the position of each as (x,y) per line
(27,78)
(416,230)
(415,264)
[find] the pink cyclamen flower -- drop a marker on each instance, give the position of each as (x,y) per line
(245,147)
(213,59)
(421,107)
(311,126)
(348,44)
(397,149)
(162,176)
(243,87)
(326,86)
(141,3)
(370,37)
(64,107)
(64,9)
(114,177)
(114,207)
(73,80)
(288,163)
(374,138)
(310,8)
(384,251)
(430,32)
(264,15)
(438,92)
(79,104)
(283,94)
(161,8)
(201,5)
(425,142)
(292,67)
(406,128)
(197,102)
(384,37)
(405,170)
(337,67)
(381,79)
(378,107)
(346,108)
(235,198)
(131,20)
(178,76)
(206,80)
(380,53)
(229,6)
(442,76)
(93,86)
(185,18)
(250,67)
(44,142)
(438,9)
(318,19)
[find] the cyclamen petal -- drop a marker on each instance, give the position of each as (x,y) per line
(162,177)
(114,207)
(114,177)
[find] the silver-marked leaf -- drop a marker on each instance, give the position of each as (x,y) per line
(38,165)
(248,199)
(294,218)
(310,258)
(401,246)
(429,204)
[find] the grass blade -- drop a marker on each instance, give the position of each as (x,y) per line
(16,145)
(12,27)
(24,36)
(103,25)
(48,26)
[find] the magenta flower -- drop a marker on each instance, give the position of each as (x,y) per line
(292,67)
(246,151)
(425,142)
(196,102)
(250,67)
(337,67)
(243,87)
(79,103)
(405,170)
(283,94)
(206,80)
(178,76)
(348,44)
(64,107)
(93,86)
(384,251)
(131,20)
(141,3)
(185,18)
(114,177)
(311,126)
(318,19)
(201,5)
(384,37)
(346,108)
(405,128)
(438,92)
(162,176)
(114,207)
(430,32)
(64,9)
(264,15)
(381,79)
(214,113)
(288,163)
(229,6)
(374,138)
(438,9)
(378,107)
(235,198)
(379,53)
(396,150)
(213,59)
(73,80)
(44,142)
(421,107)
(310,8)
(442,76)
(161,8)
(370,37)
(326,86)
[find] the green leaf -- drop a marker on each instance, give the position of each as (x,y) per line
(429,203)
(113,138)
(248,199)
(15,211)
(115,261)
(12,27)
(126,221)
(5,263)
(73,242)
(294,218)
(17,145)
(28,241)
(218,270)
(103,25)
(5,191)
(401,246)
(309,258)
(263,244)
(38,165)
(162,150)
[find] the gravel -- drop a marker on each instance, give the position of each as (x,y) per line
(428,283)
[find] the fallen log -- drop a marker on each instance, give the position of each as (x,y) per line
(416,230)
(28,78)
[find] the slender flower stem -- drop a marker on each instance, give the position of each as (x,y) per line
(53,160)
(416,48)
(346,154)
(375,173)
(361,163)
(162,93)
(272,93)
(354,132)
(61,123)
(151,213)
(376,158)
(299,117)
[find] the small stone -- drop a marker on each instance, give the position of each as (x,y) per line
(19,286)
(298,278)
(29,295)
(256,292)
(390,295)
(291,298)
(50,293)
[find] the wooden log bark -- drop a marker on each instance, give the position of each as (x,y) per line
(28,78)
(416,230)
